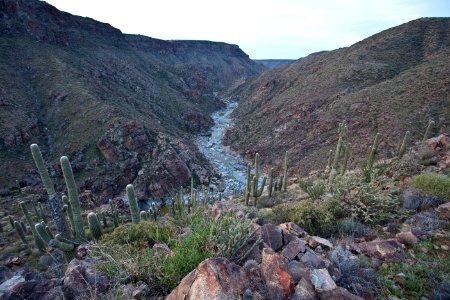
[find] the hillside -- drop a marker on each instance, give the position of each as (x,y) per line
(274,63)
(389,83)
(124,108)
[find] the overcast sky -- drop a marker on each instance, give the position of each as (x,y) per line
(262,28)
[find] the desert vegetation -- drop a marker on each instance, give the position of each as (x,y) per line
(156,249)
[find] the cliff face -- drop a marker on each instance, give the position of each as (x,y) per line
(124,108)
(391,82)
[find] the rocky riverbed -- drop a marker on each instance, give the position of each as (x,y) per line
(228,163)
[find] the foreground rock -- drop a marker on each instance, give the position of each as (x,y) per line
(215,278)
(288,269)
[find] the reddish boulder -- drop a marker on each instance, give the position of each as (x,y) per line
(315,241)
(214,278)
(275,273)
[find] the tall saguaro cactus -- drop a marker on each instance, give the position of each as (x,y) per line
(73,198)
(285,171)
(404,144)
(39,242)
(427,134)
(256,190)
(133,204)
(340,145)
(53,201)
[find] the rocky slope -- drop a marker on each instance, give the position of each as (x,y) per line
(122,107)
(391,82)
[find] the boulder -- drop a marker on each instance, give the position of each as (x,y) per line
(291,250)
(304,290)
(33,289)
(315,241)
(275,273)
(82,280)
(387,250)
(7,285)
(291,231)
(214,278)
(297,271)
(272,236)
(413,199)
(311,260)
(322,280)
(444,211)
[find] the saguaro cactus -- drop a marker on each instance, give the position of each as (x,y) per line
(94,226)
(342,135)
(270,187)
(133,204)
(347,152)
(256,190)
(64,245)
(405,141)
(53,201)
(427,134)
(248,186)
(114,213)
(42,232)
(285,171)
(73,198)
(39,242)
(20,232)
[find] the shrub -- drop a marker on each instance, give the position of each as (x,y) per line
(350,227)
(315,219)
(145,233)
(432,183)
(315,189)
(363,201)
(231,237)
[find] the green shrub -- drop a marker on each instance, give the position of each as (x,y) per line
(350,227)
(432,183)
(315,219)
(315,189)
(145,233)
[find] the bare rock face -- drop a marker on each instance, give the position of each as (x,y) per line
(275,273)
(214,278)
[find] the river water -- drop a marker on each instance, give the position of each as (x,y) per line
(231,167)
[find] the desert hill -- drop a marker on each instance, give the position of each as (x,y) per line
(389,83)
(123,107)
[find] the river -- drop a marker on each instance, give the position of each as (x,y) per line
(231,167)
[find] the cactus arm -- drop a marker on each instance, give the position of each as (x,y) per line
(94,226)
(42,232)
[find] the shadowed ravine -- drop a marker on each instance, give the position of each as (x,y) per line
(228,163)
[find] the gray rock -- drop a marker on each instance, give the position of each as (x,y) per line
(291,250)
(312,260)
(322,280)
(7,285)
(415,200)
(297,271)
